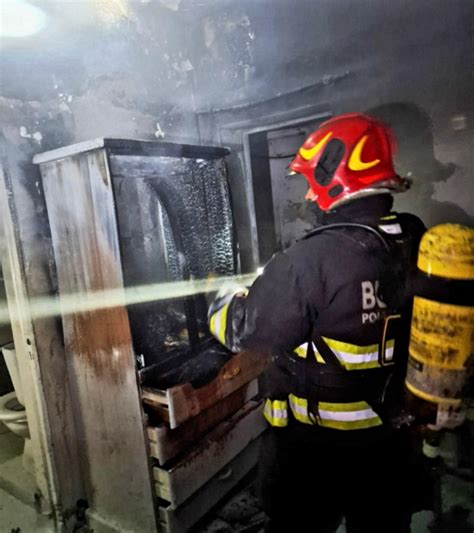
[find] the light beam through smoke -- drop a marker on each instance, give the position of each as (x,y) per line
(65,304)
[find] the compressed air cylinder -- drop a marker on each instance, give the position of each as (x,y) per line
(442,332)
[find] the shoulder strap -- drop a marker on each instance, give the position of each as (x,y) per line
(326,352)
(348,225)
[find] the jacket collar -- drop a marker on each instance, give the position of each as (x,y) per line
(367,210)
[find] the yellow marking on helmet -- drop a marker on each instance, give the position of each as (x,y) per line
(308,154)
(355,161)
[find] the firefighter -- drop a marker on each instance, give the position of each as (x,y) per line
(333,311)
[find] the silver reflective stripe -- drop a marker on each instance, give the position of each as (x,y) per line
(302,351)
(275,413)
(343,416)
(392,229)
(216,323)
(298,408)
(347,357)
(300,411)
(346,416)
(354,357)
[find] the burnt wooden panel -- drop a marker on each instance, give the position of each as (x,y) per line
(182,518)
(184,401)
(28,272)
(166,443)
(98,343)
(210,455)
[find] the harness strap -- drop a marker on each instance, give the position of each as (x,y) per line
(328,355)
(349,225)
(332,375)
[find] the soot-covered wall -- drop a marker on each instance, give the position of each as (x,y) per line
(260,63)
(98,68)
(209,71)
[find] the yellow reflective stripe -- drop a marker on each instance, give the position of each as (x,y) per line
(347,416)
(215,323)
(279,405)
(276,412)
(361,366)
(299,408)
(347,426)
(212,323)
(222,329)
(389,217)
(218,323)
(351,348)
(318,356)
(355,357)
(337,407)
(301,402)
(344,416)
(351,356)
(302,351)
(278,422)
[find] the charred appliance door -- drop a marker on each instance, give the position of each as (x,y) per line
(175,224)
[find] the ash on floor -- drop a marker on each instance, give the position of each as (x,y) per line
(243,514)
(239,514)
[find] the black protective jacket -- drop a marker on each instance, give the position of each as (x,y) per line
(333,310)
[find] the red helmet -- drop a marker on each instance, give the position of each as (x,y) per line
(347,157)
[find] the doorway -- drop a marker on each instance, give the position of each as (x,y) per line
(282,215)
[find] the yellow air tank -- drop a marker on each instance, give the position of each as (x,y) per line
(442,333)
